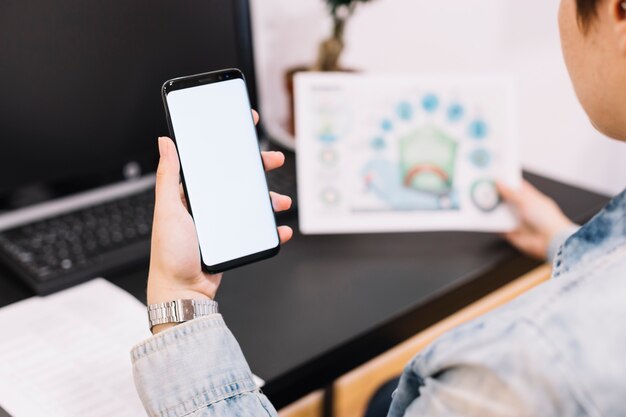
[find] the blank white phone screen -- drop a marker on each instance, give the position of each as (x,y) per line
(223,170)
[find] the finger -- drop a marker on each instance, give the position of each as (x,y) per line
(529,244)
(183,197)
(273,160)
(529,188)
(255,116)
(519,239)
(529,191)
(512,236)
(522,230)
(167,176)
(285,233)
(509,194)
(280,202)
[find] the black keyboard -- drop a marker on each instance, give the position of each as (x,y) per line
(58,252)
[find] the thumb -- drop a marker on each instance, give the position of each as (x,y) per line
(167,175)
(509,195)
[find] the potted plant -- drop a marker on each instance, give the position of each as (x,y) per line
(329,52)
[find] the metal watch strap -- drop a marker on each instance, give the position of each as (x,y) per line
(179,311)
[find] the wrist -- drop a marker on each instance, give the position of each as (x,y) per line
(160,291)
(161,327)
(558,239)
(163,293)
(561,228)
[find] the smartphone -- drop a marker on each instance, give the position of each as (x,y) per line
(210,120)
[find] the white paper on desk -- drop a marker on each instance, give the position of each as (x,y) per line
(393,153)
(68,354)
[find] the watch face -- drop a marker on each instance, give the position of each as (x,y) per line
(179,311)
(188,311)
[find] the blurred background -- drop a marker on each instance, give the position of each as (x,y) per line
(456,36)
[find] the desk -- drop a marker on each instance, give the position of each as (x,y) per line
(327,304)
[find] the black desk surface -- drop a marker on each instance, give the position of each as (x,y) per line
(327,304)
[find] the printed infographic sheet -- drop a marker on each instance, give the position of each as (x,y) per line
(388,153)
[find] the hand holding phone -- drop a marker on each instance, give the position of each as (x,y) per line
(175,268)
(210,119)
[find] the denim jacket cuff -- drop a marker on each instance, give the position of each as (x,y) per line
(559,240)
(189,367)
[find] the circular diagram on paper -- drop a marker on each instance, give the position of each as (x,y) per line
(330,196)
(485,195)
(415,154)
(329,157)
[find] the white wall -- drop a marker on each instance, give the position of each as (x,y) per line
(454,36)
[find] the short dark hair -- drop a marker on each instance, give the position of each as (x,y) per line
(587,10)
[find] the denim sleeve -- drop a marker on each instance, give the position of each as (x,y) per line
(196,369)
(465,390)
(501,364)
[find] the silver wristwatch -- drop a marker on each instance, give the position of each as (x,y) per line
(179,311)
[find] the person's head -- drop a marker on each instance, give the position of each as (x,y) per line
(593,37)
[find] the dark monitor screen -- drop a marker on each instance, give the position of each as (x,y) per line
(81,82)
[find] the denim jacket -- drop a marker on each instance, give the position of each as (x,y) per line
(558,350)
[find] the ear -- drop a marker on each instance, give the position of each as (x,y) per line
(617,16)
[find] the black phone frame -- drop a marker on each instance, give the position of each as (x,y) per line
(196,80)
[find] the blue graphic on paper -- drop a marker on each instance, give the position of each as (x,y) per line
(379,144)
(430,103)
(405,111)
(381,178)
(455,112)
(480,157)
(478,129)
(422,175)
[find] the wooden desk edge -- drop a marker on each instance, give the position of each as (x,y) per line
(353,391)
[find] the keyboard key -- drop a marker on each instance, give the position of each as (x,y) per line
(58,252)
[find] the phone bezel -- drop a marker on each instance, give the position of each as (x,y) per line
(197,80)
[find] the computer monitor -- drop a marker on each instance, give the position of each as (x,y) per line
(80,105)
